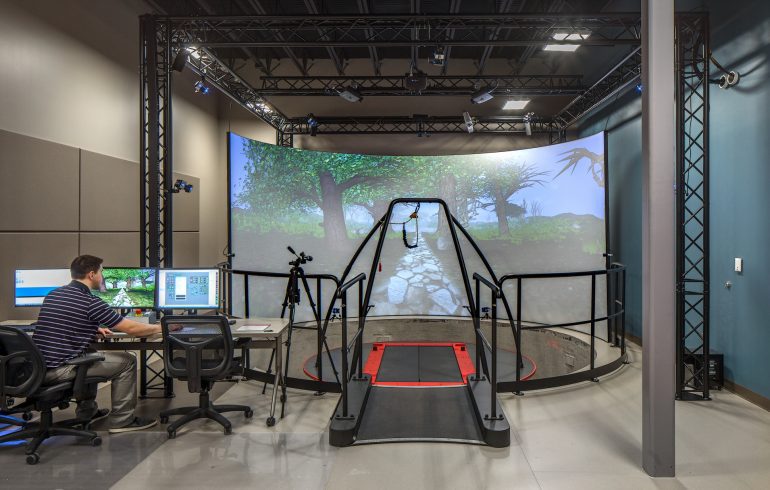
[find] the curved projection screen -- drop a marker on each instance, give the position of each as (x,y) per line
(534,210)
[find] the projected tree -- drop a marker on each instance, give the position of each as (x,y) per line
(279,180)
(500,182)
(595,163)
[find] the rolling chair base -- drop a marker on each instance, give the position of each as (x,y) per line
(40,431)
(205,410)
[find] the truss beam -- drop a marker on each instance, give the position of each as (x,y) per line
(420,125)
(437,85)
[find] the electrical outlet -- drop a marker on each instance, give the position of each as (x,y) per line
(738,264)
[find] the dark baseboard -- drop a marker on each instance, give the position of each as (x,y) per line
(634,339)
(748,395)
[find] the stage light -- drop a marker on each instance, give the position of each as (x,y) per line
(468,121)
(566,36)
(639,88)
(181,185)
(415,81)
(179,60)
(312,123)
(438,57)
(515,105)
(528,118)
(201,87)
(350,94)
(482,95)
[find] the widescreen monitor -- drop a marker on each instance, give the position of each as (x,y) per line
(188,288)
(32,285)
(129,288)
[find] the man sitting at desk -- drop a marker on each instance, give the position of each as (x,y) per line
(70,319)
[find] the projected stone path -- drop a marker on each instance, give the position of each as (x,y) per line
(419,282)
(122,299)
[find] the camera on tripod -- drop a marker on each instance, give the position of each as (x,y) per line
(301,258)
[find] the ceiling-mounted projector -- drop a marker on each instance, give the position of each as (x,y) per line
(416,81)
(482,95)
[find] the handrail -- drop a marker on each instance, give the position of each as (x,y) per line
(487,283)
(349,284)
(615,309)
(492,370)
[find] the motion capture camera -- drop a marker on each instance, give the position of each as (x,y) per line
(301,258)
(180,185)
(468,121)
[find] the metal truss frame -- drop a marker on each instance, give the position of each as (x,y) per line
(419,125)
(437,85)
(692,236)
(396,30)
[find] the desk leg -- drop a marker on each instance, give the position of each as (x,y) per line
(278,382)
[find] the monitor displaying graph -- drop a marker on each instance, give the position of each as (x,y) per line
(32,285)
(188,288)
(125,287)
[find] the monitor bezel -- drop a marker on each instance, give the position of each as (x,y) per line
(206,307)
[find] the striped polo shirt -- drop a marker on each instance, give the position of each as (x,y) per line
(68,322)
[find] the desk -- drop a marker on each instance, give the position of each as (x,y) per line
(271,338)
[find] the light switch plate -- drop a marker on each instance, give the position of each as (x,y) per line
(738,264)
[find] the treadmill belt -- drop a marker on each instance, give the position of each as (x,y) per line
(419,414)
(424,363)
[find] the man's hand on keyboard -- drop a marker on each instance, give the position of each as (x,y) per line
(104,332)
(175,327)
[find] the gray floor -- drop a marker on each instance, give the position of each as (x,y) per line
(585,436)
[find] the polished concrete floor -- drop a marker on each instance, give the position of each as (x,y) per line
(584,436)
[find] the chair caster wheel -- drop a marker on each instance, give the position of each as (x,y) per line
(172,434)
(33,458)
(270,421)
(163,419)
(228,431)
(63,406)
(248,414)
(26,416)
(283,398)
(96,441)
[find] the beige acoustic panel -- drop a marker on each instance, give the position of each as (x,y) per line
(117,249)
(31,251)
(186,249)
(38,184)
(186,206)
(109,193)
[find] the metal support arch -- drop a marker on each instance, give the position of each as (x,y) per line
(692,231)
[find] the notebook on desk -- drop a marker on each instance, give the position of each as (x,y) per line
(255,328)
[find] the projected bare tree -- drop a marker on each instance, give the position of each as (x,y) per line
(595,163)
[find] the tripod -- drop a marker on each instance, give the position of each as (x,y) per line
(290,301)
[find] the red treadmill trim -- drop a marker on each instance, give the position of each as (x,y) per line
(464,363)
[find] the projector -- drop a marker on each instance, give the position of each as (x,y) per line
(468,122)
(416,82)
(482,95)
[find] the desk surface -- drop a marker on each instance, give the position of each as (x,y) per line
(263,328)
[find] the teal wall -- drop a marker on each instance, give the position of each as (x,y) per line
(739,192)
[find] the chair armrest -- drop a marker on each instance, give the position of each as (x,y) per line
(86,359)
(82,363)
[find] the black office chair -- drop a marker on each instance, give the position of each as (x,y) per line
(21,372)
(201,352)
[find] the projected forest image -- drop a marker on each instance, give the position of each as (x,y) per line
(536,210)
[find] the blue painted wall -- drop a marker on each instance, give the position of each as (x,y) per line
(740,192)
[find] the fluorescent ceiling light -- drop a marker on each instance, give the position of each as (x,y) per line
(565,36)
(514,105)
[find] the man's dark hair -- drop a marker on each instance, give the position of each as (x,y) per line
(84,264)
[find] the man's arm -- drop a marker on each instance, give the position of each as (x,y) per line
(136,329)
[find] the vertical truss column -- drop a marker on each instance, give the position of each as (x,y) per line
(692,51)
(283,138)
(155,164)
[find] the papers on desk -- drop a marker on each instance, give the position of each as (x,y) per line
(255,328)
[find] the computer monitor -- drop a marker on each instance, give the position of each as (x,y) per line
(128,288)
(188,288)
(32,285)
